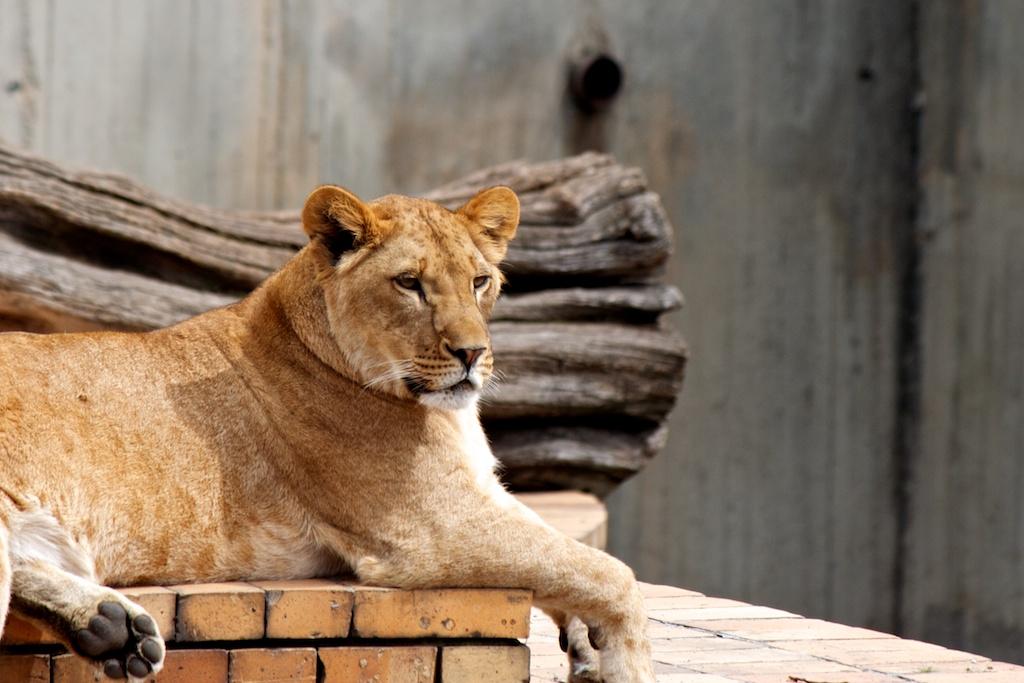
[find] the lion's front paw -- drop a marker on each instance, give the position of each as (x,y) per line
(124,638)
(625,655)
(599,655)
(584,661)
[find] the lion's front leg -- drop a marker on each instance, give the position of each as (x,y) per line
(509,547)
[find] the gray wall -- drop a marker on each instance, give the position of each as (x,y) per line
(849,442)
(965,532)
(794,216)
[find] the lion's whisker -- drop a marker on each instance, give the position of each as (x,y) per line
(396,370)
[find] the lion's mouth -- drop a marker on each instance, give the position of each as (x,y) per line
(464,385)
(417,388)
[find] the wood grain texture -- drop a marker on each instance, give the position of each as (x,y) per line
(559,370)
(965,543)
(560,454)
(642,304)
(597,221)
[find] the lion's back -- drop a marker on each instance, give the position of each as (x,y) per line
(80,405)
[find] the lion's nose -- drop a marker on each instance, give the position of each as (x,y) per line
(468,355)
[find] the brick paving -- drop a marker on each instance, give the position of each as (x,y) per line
(701,639)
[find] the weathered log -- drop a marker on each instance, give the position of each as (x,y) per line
(588,373)
(565,456)
(127,300)
(571,369)
(640,304)
(70,289)
(597,223)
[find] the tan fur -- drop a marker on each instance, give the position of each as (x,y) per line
(302,431)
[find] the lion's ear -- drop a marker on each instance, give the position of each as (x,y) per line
(338,220)
(494,213)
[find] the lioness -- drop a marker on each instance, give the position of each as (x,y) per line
(325,423)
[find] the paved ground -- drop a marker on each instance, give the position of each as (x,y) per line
(698,639)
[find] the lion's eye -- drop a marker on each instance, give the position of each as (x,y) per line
(481,281)
(408,282)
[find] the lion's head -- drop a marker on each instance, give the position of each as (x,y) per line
(409,286)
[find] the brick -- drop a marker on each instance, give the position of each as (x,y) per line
(980,677)
(789,629)
(74,669)
(732,656)
(552,666)
(159,602)
(442,613)
(219,611)
(703,645)
(315,608)
(20,630)
(944,671)
(194,666)
(696,678)
(663,668)
(697,614)
(491,663)
(848,650)
(907,662)
(378,664)
(808,667)
(657,631)
(669,602)
(278,665)
(25,668)
(914,668)
(822,677)
(180,666)
(891,655)
(651,590)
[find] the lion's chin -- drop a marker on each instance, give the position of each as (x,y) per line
(462,395)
